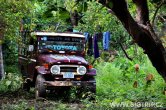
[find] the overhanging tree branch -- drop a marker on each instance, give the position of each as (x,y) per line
(157,9)
(142,11)
(145,38)
(127,56)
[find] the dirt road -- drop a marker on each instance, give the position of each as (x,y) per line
(21,100)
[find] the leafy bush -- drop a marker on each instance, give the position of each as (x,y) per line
(119,81)
(12,80)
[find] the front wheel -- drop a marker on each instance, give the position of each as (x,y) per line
(90,92)
(87,91)
(40,89)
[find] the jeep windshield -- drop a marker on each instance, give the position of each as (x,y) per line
(60,43)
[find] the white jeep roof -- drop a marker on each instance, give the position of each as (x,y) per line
(57,34)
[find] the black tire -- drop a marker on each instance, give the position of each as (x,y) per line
(26,83)
(92,88)
(26,86)
(85,92)
(40,89)
(91,92)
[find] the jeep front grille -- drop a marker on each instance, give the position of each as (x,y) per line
(68,69)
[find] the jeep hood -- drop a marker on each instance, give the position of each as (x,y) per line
(62,59)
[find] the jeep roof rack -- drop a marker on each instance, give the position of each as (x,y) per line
(57,34)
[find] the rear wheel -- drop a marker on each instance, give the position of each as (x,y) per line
(26,83)
(26,86)
(40,89)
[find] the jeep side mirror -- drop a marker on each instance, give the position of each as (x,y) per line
(30,48)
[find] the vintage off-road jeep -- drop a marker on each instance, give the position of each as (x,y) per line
(50,60)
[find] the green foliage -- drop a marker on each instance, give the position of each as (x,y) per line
(99,19)
(115,81)
(22,104)
(53,15)
(12,80)
(11,12)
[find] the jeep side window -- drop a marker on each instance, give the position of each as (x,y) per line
(32,47)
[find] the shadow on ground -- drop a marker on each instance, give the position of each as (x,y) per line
(26,101)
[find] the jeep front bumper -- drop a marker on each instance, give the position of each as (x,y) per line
(70,83)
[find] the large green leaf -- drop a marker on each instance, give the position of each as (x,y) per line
(8,83)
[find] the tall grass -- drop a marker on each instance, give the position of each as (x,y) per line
(115,82)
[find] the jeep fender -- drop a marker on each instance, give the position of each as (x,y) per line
(41,70)
(91,72)
(38,70)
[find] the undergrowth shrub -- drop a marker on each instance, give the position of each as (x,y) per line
(115,82)
(12,80)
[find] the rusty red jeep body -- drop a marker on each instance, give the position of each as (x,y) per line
(49,60)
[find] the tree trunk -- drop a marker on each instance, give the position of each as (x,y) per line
(1,64)
(2,28)
(141,31)
(74,18)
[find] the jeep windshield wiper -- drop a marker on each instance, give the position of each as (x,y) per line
(49,50)
(67,50)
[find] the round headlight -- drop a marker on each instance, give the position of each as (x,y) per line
(81,70)
(55,69)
